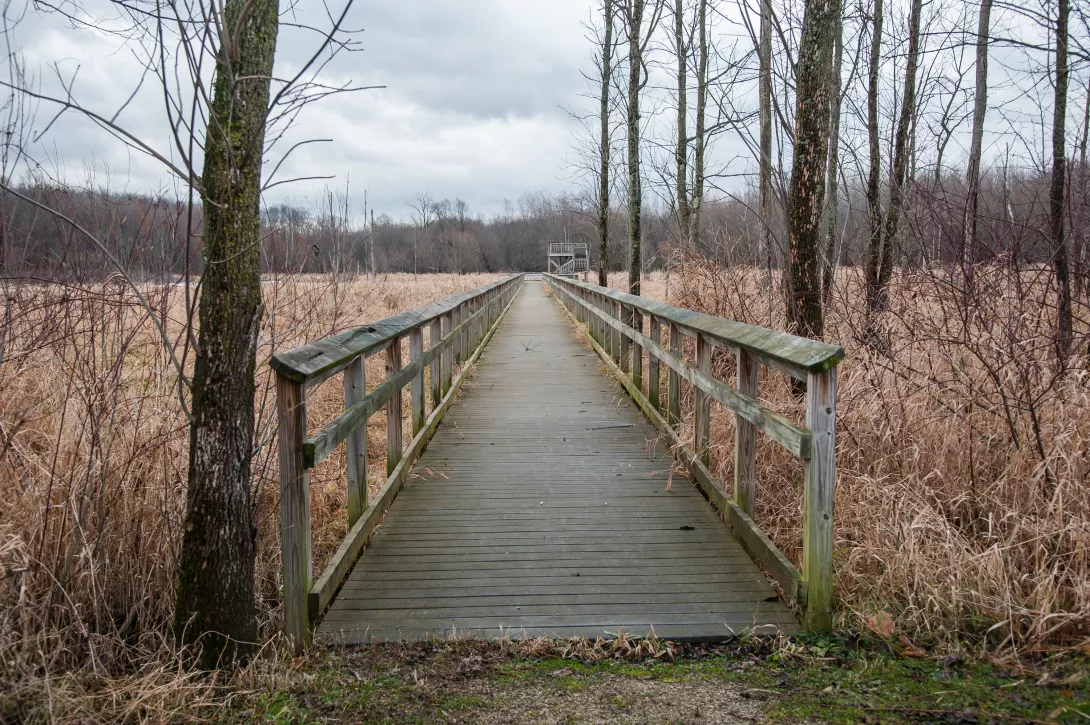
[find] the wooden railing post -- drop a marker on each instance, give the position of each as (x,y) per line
(393,409)
(636,320)
(355,388)
(673,410)
(625,315)
(435,373)
(291,410)
(416,349)
(446,322)
(654,331)
(702,403)
(456,343)
(819,490)
(745,437)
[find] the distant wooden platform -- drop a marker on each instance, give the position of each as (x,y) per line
(541,508)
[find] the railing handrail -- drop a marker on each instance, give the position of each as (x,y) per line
(614,325)
(316,361)
(458,329)
(797,356)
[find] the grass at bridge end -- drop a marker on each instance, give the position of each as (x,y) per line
(831,680)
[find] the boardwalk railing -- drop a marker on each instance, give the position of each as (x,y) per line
(615,325)
(459,327)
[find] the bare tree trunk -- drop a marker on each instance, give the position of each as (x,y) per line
(764,90)
(976,145)
(681,152)
(1064,327)
(216,574)
(901,153)
(635,10)
(701,129)
(806,195)
(875,291)
(603,180)
(833,208)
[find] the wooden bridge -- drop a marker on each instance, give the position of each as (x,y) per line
(557,497)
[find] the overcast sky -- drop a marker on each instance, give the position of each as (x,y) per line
(473,105)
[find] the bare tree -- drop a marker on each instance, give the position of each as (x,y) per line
(976,144)
(423,212)
(807,190)
(681,151)
(1064,326)
(606,69)
(639,28)
(764,93)
(216,577)
(832,212)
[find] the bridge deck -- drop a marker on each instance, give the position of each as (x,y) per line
(541,508)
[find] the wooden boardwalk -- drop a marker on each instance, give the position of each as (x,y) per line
(541,507)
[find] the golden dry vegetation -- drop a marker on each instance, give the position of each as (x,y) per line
(963,453)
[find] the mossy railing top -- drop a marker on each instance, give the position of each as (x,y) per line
(796,356)
(313,363)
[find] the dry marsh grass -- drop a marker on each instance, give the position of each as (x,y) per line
(963,506)
(963,452)
(93,452)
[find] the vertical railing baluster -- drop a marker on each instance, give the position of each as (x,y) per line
(673,410)
(745,437)
(435,373)
(355,388)
(291,413)
(625,316)
(702,403)
(448,352)
(416,349)
(636,321)
(654,374)
(393,409)
(819,491)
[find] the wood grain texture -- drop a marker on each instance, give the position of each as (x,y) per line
(544,505)
(796,356)
(294,510)
(355,389)
(819,490)
(745,530)
(393,408)
(745,437)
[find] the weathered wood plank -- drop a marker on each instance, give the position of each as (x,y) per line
(745,437)
(435,373)
(654,371)
(798,356)
(519,496)
(294,510)
(702,403)
(819,492)
(348,552)
(753,540)
(310,364)
(355,387)
(673,408)
(393,408)
(794,439)
(416,351)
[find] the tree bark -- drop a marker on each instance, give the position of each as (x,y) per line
(875,292)
(764,91)
(701,129)
(806,193)
(635,185)
(901,156)
(832,212)
(215,603)
(603,178)
(1064,326)
(976,144)
(681,152)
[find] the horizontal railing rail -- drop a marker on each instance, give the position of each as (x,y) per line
(614,322)
(458,329)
